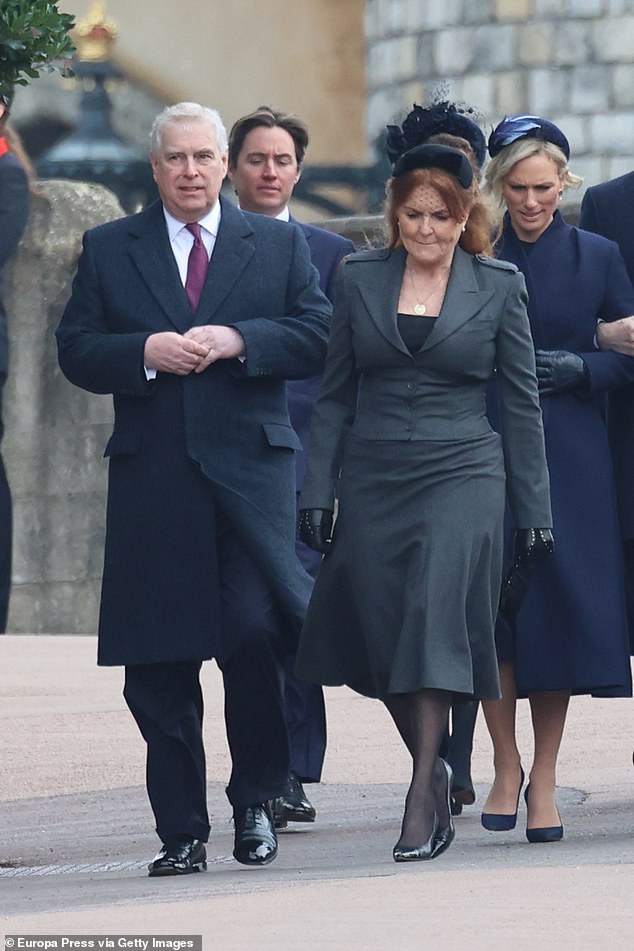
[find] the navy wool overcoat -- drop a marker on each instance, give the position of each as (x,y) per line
(571,631)
(185,448)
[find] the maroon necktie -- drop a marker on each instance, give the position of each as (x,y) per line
(197,265)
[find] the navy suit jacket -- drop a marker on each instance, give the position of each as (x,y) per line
(182,443)
(326,251)
(606,209)
(14,210)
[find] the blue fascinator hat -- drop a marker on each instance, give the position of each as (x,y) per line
(513,128)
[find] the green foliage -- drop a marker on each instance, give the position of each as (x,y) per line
(33,33)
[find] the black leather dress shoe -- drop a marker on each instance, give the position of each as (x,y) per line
(179,857)
(294,805)
(455,807)
(255,838)
(461,796)
(465,795)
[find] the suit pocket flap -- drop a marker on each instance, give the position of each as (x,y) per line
(278,434)
(123,444)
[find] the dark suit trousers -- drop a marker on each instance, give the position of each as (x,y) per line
(628,561)
(166,702)
(5,531)
(304,703)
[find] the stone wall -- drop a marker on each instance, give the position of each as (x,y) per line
(55,433)
(571,61)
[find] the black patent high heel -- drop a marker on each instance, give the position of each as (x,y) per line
(543,833)
(417,853)
(445,835)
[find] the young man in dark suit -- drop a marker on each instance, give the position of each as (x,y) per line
(266,152)
(193,314)
(14,210)
(606,209)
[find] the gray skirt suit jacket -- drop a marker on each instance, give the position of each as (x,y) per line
(407,595)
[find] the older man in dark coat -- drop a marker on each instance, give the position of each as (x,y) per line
(200,557)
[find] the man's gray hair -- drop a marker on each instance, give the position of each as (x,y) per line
(187,112)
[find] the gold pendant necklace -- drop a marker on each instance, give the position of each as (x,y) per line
(420,307)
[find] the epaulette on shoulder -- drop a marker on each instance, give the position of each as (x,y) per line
(369,254)
(496,262)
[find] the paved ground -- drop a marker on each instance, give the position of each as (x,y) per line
(76,832)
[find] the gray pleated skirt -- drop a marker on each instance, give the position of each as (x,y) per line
(407,596)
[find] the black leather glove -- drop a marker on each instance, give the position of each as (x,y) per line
(532,545)
(560,371)
(315,528)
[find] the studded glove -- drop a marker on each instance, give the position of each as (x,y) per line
(532,545)
(315,528)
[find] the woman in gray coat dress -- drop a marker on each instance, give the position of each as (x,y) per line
(405,602)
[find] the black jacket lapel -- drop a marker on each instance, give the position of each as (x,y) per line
(153,256)
(380,288)
(233,250)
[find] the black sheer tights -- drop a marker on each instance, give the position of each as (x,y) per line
(421,719)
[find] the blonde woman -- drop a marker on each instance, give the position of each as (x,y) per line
(569,635)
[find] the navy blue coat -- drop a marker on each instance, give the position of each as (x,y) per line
(14,210)
(181,445)
(571,631)
(607,209)
(305,712)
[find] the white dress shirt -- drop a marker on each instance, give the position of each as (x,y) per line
(284,214)
(181,242)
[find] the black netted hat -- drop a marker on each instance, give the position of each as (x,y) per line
(443,157)
(440,117)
